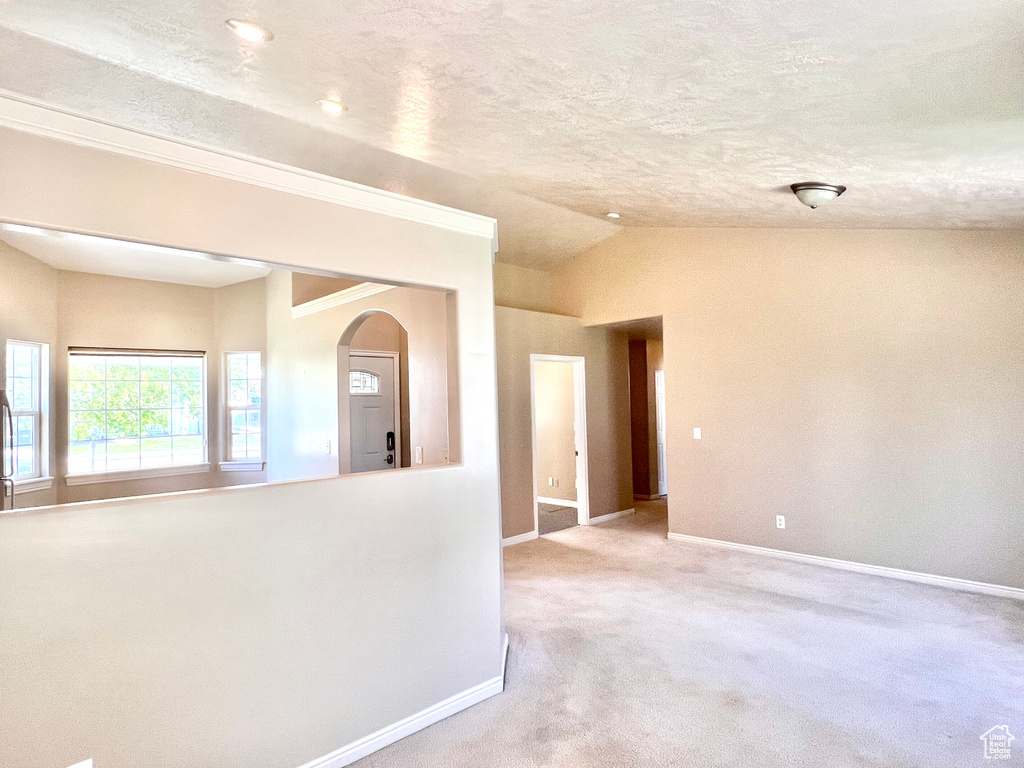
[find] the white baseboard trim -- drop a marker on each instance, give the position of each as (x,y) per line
(949,582)
(528,536)
(611,516)
(385,736)
(504,662)
(558,502)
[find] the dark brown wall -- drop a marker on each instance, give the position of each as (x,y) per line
(639,417)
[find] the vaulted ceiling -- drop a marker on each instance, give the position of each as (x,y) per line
(547,115)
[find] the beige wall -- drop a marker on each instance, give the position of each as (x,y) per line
(66,309)
(379,332)
(262,625)
(28,312)
(303,386)
(655,362)
(118,313)
(554,403)
(866,384)
(521,333)
(309,287)
(240,325)
(522,288)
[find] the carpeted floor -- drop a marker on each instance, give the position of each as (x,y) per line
(630,650)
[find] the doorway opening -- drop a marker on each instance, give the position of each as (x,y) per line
(647,408)
(373,389)
(561,496)
(661,429)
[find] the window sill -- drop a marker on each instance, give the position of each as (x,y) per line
(242,466)
(135,474)
(33,484)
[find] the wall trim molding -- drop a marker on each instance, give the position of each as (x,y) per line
(392,733)
(948,582)
(611,516)
(338,298)
(128,475)
(559,502)
(504,662)
(41,119)
(522,537)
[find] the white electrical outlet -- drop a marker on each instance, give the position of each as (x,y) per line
(327,447)
(556,482)
(780,521)
(419,454)
(696,433)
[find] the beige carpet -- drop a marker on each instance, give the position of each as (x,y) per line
(630,650)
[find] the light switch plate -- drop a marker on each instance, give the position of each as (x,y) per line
(780,521)
(696,433)
(419,454)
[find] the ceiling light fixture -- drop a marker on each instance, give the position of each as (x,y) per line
(332,107)
(814,194)
(250,32)
(612,215)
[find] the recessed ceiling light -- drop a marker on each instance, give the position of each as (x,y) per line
(815,193)
(612,215)
(246,30)
(332,107)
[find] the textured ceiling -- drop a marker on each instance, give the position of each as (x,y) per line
(673,112)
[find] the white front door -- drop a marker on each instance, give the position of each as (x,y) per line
(659,412)
(374,431)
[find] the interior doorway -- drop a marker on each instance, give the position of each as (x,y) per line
(374,416)
(558,412)
(659,407)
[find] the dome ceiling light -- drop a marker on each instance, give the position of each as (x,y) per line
(332,106)
(252,33)
(815,194)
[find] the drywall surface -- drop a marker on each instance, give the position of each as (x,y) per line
(303,367)
(259,625)
(522,287)
(865,384)
(28,312)
(554,402)
(119,313)
(522,333)
(655,362)
(240,325)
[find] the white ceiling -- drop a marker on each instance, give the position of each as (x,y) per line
(99,256)
(673,112)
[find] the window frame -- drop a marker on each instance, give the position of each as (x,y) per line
(139,473)
(40,415)
(247,463)
(374,377)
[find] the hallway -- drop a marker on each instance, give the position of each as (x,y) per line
(630,650)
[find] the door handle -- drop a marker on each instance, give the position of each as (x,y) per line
(391,442)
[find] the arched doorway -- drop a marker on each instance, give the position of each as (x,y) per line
(373,399)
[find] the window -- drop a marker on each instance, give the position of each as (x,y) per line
(245,405)
(133,411)
(26,389)
(363,383)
